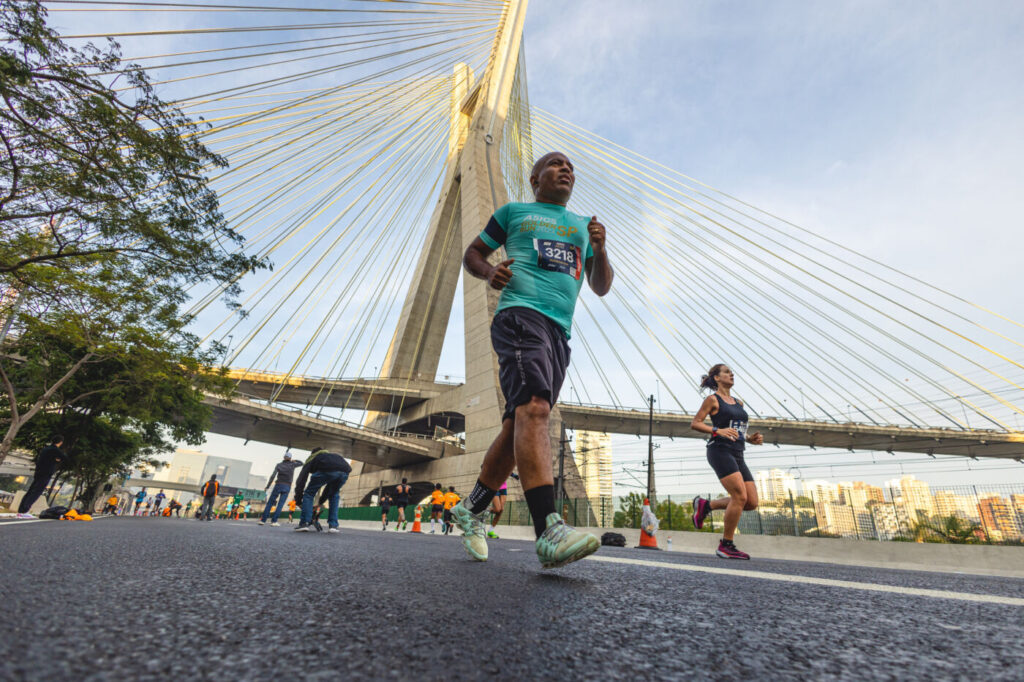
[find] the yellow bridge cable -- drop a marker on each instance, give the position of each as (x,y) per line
(821,280)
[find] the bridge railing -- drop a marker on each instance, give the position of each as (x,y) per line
(246,373)
(310,412)
(643,410)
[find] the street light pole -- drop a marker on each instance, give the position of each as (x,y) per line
(650,455)
(561,471)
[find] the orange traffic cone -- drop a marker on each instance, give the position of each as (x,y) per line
(648,527)
(416,522)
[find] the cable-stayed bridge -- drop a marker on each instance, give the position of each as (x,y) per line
(368,145)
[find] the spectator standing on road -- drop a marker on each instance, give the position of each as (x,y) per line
(451,498)
(402,501)
(323,469)
(209,492)
(282,481)
(385,509)
(157,501)
(48,461)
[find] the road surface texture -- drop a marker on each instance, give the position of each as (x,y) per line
(149,598)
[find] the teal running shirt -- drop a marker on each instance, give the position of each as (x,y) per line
(550,246)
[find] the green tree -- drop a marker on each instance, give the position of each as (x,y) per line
(123,410)
(675,516)
(106,218)
(951,529)
(630,509)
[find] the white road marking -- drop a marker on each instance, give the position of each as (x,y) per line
(12,523)
(827,582)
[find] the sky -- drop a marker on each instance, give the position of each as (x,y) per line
(892,127)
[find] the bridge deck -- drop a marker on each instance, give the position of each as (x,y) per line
(972,443)
(253,420)
(378,395)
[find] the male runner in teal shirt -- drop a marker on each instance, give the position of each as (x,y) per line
(548,249)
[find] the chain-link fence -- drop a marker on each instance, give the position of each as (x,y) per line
(918,513)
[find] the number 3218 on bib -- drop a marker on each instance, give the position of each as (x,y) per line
(558,256)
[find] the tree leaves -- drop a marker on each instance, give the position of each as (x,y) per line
(105,219)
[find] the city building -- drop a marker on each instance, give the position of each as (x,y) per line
(192,468)
(890,521)
(593,454)
(774,485)
(914,495)
(998,519)
(821,491)
(949,503)
(845,520)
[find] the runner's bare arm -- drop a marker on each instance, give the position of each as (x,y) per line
(599,270)
(476,264)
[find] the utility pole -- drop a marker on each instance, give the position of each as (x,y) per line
(561,471)
(650,455)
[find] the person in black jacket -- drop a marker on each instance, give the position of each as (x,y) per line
(283,473)
(49,460)
(327,470)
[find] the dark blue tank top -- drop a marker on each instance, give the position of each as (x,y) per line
(730,417)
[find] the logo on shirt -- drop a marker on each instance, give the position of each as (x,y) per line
(532,223)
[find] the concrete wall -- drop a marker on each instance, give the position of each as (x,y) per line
(968,559)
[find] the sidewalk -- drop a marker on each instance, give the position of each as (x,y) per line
(912,556)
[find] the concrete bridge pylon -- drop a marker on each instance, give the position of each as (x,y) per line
(474,187)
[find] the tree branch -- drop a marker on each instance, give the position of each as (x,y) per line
(15,171)
(45,397)
(55,256)
(11,397)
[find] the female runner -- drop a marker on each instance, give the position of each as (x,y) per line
(728,432)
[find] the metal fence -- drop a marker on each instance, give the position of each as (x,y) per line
(991,514)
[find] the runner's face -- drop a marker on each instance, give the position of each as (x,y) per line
(555,179)
(725,377)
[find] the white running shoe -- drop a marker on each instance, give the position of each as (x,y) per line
(333,530)
(275,523)
(261,523)
(25,516)
(561,544)
(474,531)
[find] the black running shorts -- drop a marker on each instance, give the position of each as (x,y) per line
(726,461)
(402,502)
(436,508)
(533,357)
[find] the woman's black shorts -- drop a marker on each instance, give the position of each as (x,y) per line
(533,357)
(726,461)
(437,508)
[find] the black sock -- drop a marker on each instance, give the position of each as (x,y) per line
(541,501)
(480,497)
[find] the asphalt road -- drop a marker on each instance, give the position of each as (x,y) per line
(142,598)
